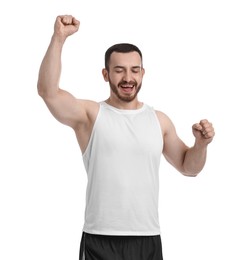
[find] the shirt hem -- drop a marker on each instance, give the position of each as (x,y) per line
(122,233)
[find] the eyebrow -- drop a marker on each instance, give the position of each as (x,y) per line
(122,67)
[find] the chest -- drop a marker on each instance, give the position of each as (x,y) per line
(128,134)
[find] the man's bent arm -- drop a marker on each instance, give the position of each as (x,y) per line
(188,161)
(195,157)
(64,107)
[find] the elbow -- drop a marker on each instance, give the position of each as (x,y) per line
(43,91)
(189,173)
(40,90)
(193,174)
(192,168)
(40,93)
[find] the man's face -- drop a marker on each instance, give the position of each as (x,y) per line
(125,75)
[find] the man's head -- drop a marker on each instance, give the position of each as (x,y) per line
(124,70)
(120,48)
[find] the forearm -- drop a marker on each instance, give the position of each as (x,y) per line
(194,160)
(50,70)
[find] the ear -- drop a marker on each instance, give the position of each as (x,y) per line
(105,75)
(143,72)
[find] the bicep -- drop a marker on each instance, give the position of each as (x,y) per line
(67,109)
(174,148)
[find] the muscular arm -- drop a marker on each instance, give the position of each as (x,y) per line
(65,107)
(187,160)
(194,160)
(50,70)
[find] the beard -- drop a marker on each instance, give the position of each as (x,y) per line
(126,97)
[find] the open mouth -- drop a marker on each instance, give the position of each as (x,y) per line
(127,87)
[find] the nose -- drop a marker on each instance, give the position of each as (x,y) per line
(127,76)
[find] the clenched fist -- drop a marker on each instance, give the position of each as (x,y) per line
(65,25)
(203,131)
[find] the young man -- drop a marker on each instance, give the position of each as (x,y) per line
(121,140)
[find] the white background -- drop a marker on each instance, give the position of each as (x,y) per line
(189,60)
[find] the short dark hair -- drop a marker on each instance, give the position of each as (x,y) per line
(122,48)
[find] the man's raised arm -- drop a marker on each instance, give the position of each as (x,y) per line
(65,108)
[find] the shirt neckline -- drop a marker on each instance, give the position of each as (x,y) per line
(124,111)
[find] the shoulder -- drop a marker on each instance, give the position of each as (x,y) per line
(165,122)
(163,118)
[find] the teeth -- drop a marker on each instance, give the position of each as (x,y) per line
(128,86)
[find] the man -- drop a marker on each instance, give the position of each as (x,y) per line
(121,140)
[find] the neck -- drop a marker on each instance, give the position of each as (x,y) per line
(131,105)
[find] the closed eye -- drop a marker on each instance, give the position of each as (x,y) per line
(136,70)
(118,70)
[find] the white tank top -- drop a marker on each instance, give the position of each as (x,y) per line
(122,163)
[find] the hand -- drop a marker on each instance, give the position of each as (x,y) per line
(65,25)
(203,132)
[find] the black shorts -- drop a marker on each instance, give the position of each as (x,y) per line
(102,247)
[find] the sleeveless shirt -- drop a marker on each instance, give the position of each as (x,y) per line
(122,162)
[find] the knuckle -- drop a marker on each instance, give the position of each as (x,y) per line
(203,121)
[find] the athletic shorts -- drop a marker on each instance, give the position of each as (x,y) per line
(103,247)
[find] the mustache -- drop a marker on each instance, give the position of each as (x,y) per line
(124,82)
